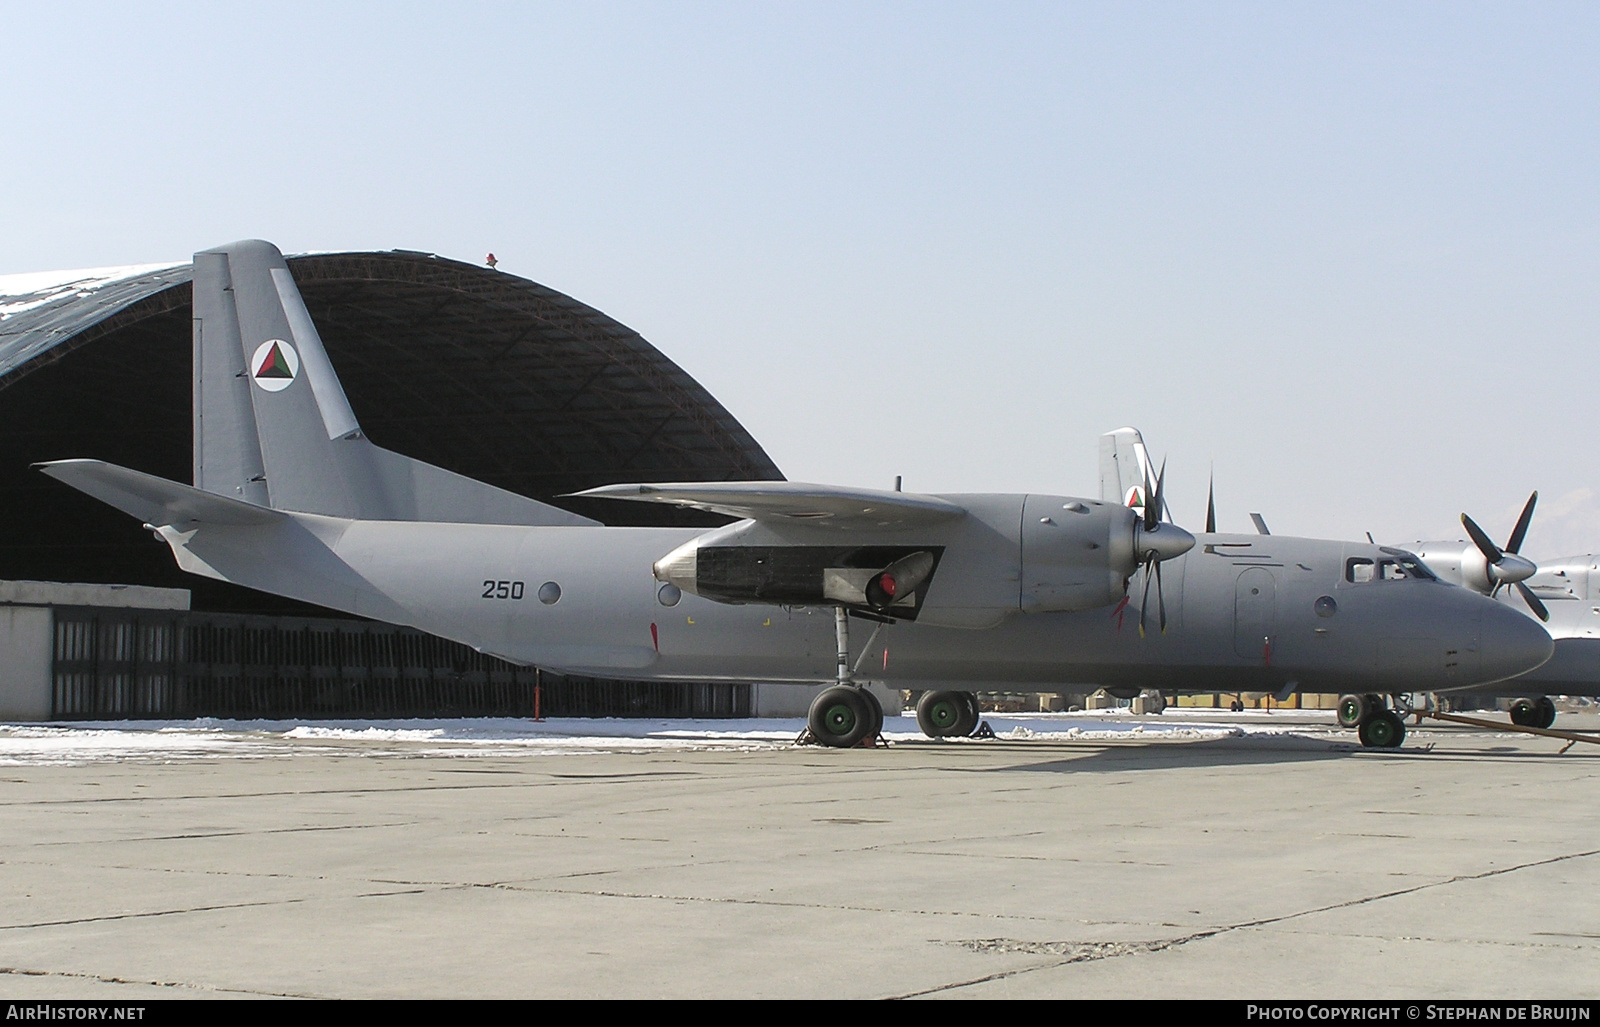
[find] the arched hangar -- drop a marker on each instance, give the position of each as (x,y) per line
(478,371)
(474,370)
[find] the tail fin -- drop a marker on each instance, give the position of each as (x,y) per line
(272,425)
(1125,471)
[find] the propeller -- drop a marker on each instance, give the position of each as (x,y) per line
(1506,567)
(1154,542)
(1211,503)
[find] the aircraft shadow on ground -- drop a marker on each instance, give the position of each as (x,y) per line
(1222,752)
(1247,751)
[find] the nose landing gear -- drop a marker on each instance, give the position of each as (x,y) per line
(1376,724)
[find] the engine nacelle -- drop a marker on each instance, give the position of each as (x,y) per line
(1464,564)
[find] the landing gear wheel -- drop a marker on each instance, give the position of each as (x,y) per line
(1385,730)
(940,713)
(1353,709)
(875,708)
(1546,711)
(969,720)
(1525,713)
(1236,706)
(840,717)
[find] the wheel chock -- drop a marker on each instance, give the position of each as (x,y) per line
(984,731)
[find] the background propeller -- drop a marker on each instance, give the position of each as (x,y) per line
(1506,567)
(1154,542)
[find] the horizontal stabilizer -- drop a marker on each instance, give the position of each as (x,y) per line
(155,501)
(778,501)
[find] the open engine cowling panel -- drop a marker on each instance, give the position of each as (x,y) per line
(813,576)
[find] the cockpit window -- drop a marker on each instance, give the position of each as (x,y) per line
(1397,565)
(1409,565)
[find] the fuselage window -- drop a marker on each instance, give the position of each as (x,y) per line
(1358,568)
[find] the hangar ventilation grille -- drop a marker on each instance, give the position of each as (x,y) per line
(168,665)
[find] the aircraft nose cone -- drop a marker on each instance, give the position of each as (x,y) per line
(1512,643)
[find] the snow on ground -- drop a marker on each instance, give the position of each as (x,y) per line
(111,741)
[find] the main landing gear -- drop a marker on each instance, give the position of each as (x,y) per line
(1376,724)
(948,714)
(1540,712)
(844,715)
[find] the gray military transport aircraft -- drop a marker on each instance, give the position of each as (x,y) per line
(1003,591)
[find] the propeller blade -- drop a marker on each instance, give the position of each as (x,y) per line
(1144,603)
(1517,533)
(1490,551)
(1152,508)
(1161,600)
(1533,601)
(1211,505)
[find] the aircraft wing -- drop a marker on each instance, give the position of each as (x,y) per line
(781,501)
(155,501)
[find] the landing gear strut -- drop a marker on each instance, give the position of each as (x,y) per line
(1376,724)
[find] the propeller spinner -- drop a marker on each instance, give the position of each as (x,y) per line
(1505,567)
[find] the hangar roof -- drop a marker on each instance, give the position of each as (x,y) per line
(41,309)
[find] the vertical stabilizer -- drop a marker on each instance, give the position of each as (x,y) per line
(1125,471)
(227,454)
(272,424)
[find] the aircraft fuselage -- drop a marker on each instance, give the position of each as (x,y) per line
(1251,612)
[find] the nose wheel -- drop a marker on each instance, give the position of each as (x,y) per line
(1376,724)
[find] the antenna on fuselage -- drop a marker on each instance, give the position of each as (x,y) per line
(1211,502)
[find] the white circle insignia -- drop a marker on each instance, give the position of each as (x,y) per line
(275,365)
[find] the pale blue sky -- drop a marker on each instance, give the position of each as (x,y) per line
(1348,252)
